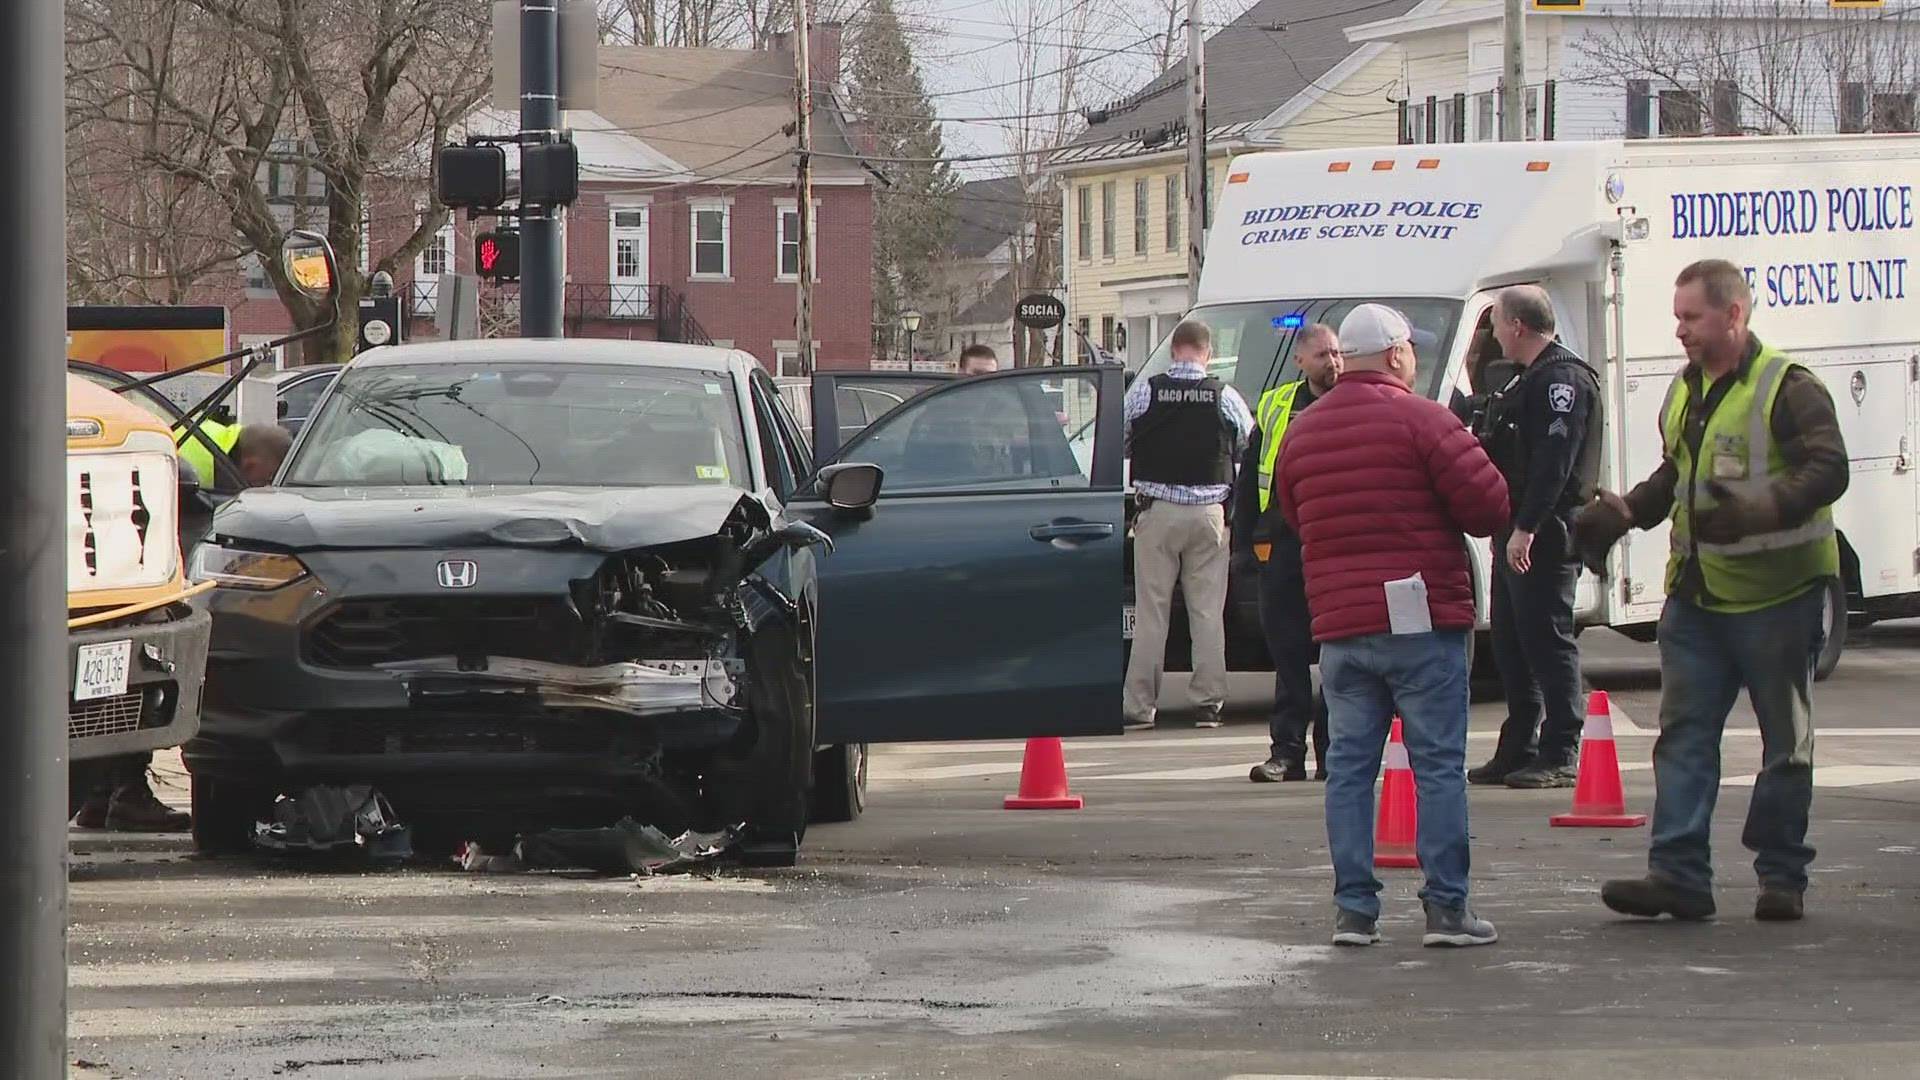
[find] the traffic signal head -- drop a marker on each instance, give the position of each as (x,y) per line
(472,176)
(496,255)
(550,173)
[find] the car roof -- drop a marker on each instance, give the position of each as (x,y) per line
(287,375)
(567,350)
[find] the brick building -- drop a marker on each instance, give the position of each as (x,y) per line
(687,223)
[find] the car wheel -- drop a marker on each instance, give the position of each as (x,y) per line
(224,813)
(840,783)
(1833,618)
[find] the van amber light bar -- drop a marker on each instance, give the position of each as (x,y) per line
(1238,178)
(1429,163)
(1339,166)
(1383,166)
(1538,166)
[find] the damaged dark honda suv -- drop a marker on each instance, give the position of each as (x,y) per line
(524,584)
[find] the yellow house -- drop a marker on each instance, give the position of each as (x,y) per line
(1282,75)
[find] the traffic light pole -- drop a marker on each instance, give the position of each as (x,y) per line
(33,643)
(543,273)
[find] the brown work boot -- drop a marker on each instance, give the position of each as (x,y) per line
(134,808)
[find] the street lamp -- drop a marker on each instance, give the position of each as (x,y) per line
(910,322)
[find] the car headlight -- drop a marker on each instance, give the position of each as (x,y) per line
(234,568)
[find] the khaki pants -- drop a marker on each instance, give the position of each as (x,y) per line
(1188,545)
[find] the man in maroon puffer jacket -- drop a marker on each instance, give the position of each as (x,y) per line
(1379,484)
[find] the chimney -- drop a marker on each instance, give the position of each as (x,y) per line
(823,51)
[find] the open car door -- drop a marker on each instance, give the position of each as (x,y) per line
(845,403)
(976,599)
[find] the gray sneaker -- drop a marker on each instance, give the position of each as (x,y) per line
(1353,928)
(1457,927)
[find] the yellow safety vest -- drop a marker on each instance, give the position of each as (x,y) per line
(1756,571)
(1272,415)
(195,451)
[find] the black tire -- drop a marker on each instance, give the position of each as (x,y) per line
(840,783)
(1833,613)
(224,813)
(775,779)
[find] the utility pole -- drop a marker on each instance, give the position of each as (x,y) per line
(1513,85)
(1196,150)
(803,181)
(543,270)
(33,644)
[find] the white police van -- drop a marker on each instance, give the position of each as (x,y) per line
(1827,229)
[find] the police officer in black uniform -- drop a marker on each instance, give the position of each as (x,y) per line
(1543,429)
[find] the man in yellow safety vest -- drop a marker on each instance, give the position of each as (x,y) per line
(1753,462)
(1263,545)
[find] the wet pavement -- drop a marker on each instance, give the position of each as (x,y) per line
(1175,927)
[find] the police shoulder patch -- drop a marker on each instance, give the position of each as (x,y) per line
(1560,397)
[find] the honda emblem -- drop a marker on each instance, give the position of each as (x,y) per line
(458,574)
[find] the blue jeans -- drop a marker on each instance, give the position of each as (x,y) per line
(1366,680)
(1705,659)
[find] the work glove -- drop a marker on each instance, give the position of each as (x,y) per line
(1598,526)
(1736,516)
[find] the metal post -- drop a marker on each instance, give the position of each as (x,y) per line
(33,646)
(1196,149)
(542,268)
(1513,85)
(803,79)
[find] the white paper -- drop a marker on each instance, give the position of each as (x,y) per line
(1407,611)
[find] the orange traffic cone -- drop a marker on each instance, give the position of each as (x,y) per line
(1393,840)
(1598,799)
(1043,779)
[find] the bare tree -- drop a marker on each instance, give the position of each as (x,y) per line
(1736,67)
(275,114)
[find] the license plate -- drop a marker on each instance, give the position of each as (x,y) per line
(1127,623)
(102,670)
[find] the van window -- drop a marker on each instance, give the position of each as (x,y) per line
(1253,342)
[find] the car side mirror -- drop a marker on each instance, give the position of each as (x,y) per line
(1131,375)
(280,409)
(851,486)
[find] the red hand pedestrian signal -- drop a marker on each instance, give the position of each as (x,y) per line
(496,255)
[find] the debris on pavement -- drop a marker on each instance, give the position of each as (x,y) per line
(627,847)
(325,819)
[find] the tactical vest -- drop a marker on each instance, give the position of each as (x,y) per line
(1756,571)
(1273,415)
(1183,438)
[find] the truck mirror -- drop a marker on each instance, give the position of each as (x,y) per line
(308,260)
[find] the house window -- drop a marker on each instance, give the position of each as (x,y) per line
(1726,108)
(1176,209)
(1413,126)
(1108,196)
(1140,199)
(1680,113)
(1483,125)
(1893,112)
(787,362)
(711,226)
(788,227)
(1853,108)
(1085,222)
(1106,332)
(1639,108)
(434,260)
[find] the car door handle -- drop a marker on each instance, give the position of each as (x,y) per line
(1076,530)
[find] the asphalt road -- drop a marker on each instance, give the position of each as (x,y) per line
(1176,927)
